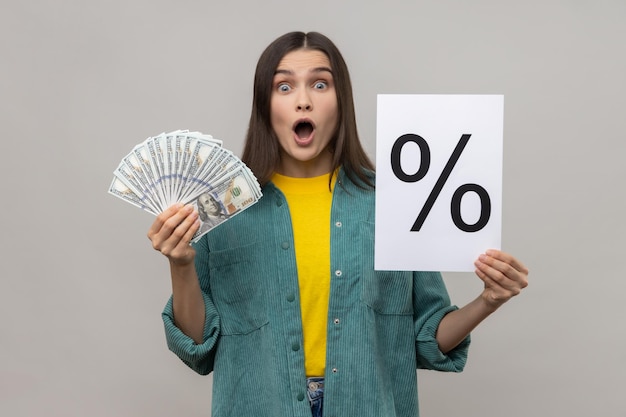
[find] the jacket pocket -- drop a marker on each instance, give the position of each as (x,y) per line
(237,289)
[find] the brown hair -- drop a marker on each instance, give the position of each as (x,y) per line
(261,150)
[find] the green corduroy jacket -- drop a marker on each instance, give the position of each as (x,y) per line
(381,324)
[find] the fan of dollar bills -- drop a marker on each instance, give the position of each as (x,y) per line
(189,168)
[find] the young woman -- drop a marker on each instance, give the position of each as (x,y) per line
(282,302)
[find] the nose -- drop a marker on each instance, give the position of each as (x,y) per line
(304,101)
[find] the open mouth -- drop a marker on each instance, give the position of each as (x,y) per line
(303,130)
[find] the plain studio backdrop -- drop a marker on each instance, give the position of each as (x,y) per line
(83,82)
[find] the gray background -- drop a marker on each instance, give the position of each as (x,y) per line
(82,290)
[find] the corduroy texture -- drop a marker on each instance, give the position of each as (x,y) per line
(381,324)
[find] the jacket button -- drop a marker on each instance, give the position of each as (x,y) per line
(284,245)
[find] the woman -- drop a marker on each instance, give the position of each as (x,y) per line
(282,302)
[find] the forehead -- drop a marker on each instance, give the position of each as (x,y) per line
(303,60)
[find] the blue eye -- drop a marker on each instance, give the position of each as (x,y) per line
(283,88)
(320,85)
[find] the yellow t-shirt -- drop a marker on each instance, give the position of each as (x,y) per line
(310,201)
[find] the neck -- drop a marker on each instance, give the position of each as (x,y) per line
(305,169)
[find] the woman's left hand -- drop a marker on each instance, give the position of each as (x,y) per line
(504,277)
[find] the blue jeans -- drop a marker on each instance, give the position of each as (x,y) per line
(315,392)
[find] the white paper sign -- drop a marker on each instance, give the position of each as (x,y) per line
(438,180)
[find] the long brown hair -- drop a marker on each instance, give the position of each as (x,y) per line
(261,150)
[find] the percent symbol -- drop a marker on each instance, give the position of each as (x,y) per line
(455,204)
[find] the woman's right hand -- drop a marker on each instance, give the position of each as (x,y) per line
(172,231)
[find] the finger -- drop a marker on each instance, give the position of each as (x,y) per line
(501,273)
(488,281)
(508,259)
(182,224)
(162,218)
(494,293)
(175,220)
(173,229)
(187,228)
(497,270)
(177,246)
(183,252)
(191,224)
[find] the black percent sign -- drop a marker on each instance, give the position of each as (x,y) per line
(455,204)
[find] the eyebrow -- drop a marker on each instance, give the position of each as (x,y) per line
(313,71)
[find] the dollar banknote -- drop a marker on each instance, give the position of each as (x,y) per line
(190,168)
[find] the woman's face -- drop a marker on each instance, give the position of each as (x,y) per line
(304,113)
